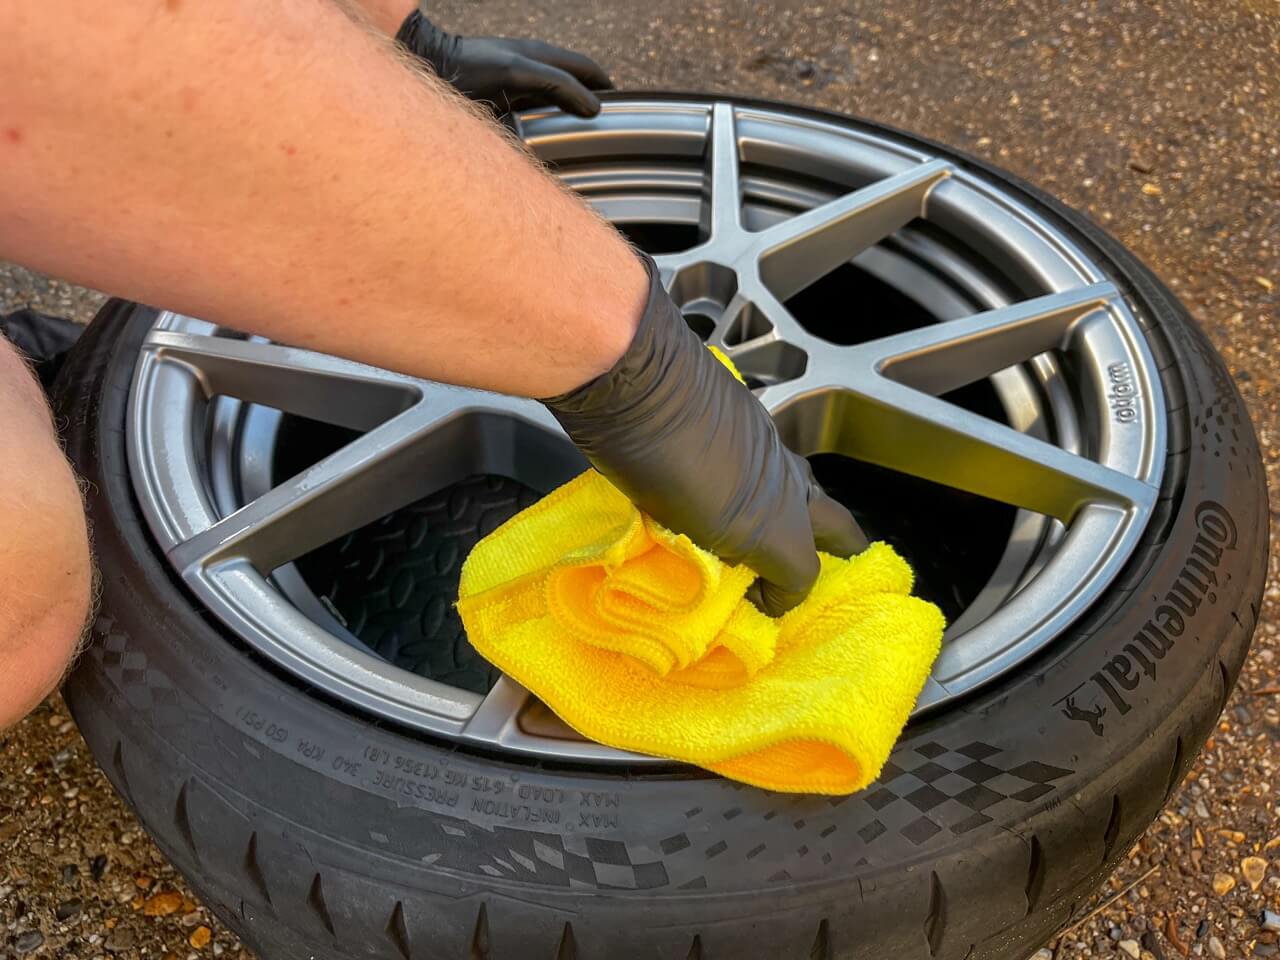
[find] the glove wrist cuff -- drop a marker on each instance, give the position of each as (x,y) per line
(662,346)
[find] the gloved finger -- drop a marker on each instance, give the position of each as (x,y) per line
(538,84)
(771,599)
(834,529)
(787,567)
(578,64)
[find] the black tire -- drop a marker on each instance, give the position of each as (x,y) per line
(313,832)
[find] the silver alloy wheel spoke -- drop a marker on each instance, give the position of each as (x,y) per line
(771,316)
(762,338)
(435,443)
(945,356)
(803,249)
(724,206)
(496,717)
(872,401)
(757,356)
(385,469)
(297,381)
(921,436)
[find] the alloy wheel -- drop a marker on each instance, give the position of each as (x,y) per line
(938,347)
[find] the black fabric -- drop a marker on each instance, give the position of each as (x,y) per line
(672,428)
(44,340)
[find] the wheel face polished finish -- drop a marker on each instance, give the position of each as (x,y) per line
(749,209)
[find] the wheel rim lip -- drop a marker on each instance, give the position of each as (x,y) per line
(249,604)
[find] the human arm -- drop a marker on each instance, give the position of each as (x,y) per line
(276,168)
(272,167)
(386,15)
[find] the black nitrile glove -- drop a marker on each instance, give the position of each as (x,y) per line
(693,448)
(509,74)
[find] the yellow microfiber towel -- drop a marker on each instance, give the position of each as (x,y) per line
(639,639)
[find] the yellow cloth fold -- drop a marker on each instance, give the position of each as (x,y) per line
(639,639)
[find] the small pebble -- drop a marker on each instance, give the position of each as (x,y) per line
(1131,948)
(120,940)
(69,872)
(1115,933)
(1216,949)
(1201,810)
(1253,869)
(69,909)
(98,866)
(1269,920)
(162,904)
(1202,928)
(28,942)
(1223,883)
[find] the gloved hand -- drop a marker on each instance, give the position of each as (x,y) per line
(693,448)
(509,74)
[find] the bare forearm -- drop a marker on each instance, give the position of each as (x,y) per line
(274,168)
(386,15)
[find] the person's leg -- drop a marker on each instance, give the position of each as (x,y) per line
(45,570)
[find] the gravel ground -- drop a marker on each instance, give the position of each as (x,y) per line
(1162,119)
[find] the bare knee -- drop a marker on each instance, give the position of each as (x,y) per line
(45,570)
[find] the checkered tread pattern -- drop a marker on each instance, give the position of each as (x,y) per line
(930,789)
(575,863)
(926,792)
